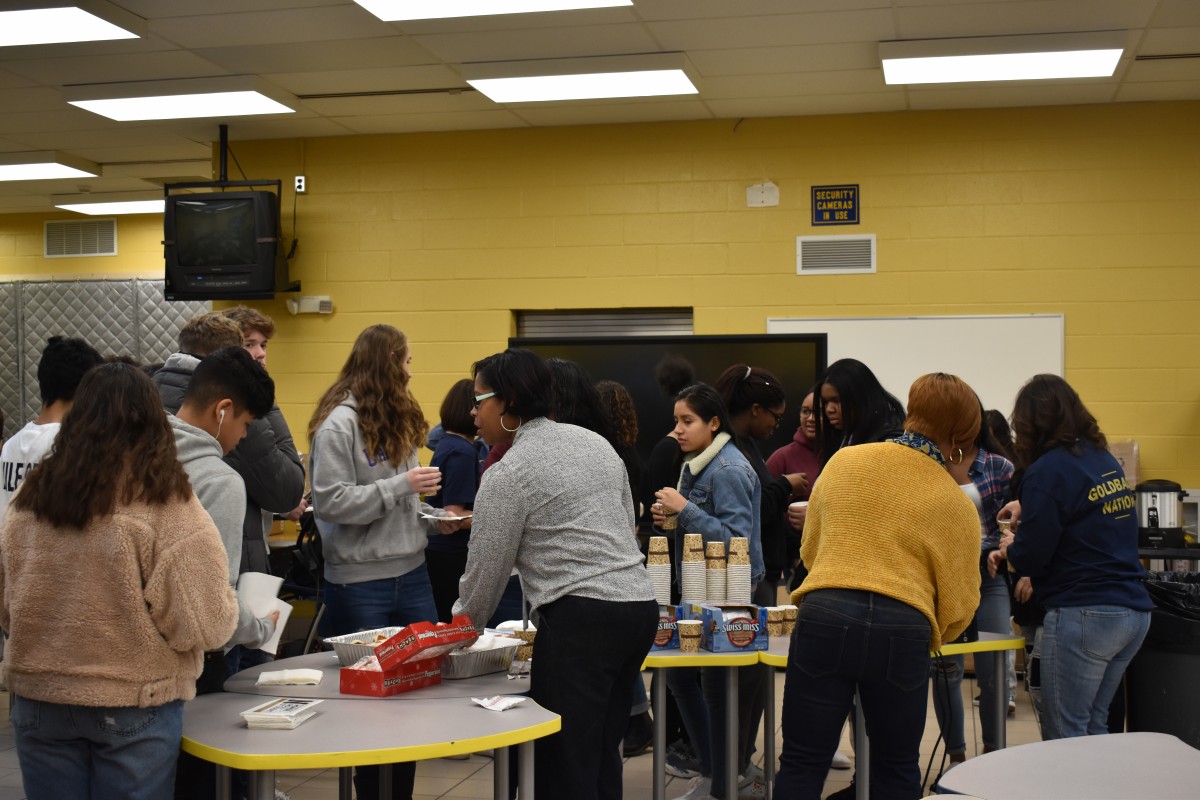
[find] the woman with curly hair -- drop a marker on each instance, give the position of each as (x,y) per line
(114,584)
(366,490)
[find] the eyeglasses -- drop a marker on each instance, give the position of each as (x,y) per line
(778,417)
(806,412)
(479,398)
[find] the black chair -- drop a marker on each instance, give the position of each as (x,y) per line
(304,579)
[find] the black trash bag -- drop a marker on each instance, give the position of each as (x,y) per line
(1175,619)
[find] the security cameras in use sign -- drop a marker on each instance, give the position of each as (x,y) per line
(835,205)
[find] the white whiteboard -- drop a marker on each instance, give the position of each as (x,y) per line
(995,354)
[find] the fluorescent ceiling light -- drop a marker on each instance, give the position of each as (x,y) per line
(116,207)
(233,96)
(395,10)
(55,25)
(1002,58)
(581,78)
(44,165)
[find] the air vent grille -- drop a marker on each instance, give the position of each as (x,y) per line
(835,255)
(89,237)
(604,323)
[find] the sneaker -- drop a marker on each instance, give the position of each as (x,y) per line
(840,761)
(682,763)
(754,773)
(751,789)
(698,789)
(845,793)
(639,735)
(975,702)
(280,794)
(1012,708)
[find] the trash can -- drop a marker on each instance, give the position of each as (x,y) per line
(1163,680)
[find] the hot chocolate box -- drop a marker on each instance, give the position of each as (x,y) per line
(667,637)
(730,627)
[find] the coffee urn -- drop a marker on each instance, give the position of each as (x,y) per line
(1160,514)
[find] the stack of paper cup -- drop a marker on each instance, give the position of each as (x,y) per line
(714,556)
(737,579)
(692,580)
(658,564)
(775,621)
(789,619)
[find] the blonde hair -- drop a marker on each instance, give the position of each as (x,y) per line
(209,332)
(943,408)
(390,419)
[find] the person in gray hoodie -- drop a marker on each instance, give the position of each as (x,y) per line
(225,394)
(366,488)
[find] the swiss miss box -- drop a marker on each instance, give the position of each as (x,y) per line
(729,627)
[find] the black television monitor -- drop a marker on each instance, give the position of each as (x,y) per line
(222,245)
(797,360)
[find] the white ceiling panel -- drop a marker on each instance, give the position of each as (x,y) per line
(539,43)
(754,58)
(775,31)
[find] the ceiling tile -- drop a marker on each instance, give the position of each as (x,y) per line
(539,43)
(1146,92)
(1020,93)
(1172,69)
(775,31)
(116,68)
(612,112)
(384,51)
(502,23)
(11,80)
(800,58)
(806,106)
(187,8)
(1177,13)
(387,105)
(1164,41)
(1026,16)
(347,21)
(390,79)
(450,121)
(784,85)
(699,9)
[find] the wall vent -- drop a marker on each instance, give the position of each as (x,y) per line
(88,237)
(835,255)
(605,323)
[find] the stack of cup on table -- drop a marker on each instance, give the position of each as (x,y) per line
(775,621)
(715,573)
(658,564)
(737,576)
(790,613)
(693,582)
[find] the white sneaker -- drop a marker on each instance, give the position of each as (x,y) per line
(840,761)
(751,790)
(698,789)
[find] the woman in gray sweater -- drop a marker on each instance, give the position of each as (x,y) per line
(558,508)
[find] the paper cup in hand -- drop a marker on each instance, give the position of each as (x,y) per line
(670,518)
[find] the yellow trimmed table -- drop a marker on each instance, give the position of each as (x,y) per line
(349,733)
(666,659)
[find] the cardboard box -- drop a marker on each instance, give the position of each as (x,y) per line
(425,640)
(403,677)
(1126,454)
(667,637)
(719,634)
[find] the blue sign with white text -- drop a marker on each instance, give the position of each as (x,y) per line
(835,205)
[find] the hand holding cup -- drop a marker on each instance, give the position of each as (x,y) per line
(424,480)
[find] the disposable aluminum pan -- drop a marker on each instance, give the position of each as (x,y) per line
(471,664)
(349,653)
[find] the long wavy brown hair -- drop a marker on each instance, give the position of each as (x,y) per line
(390,419)
(617,402)
(1047,414)
(115,447)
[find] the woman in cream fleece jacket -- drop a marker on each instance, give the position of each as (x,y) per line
(114,583)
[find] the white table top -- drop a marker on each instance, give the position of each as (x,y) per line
(1119,766)
(328,688)
(345,733)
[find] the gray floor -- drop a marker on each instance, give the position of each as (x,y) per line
(472,778)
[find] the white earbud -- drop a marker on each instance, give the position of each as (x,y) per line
(221,421)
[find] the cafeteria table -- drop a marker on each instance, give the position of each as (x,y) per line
(364,732)
(665,659)
(776,655)
(1114,766)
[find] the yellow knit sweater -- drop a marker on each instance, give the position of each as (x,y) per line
(885,518)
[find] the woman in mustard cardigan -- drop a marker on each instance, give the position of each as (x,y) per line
(892,549)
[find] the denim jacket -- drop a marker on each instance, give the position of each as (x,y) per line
(724,498)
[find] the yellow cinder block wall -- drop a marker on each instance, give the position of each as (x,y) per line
(1088,211)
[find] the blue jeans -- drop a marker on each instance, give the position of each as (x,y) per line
(992,617)
(1085,650)
(353,607)
(70,751)
(846,640)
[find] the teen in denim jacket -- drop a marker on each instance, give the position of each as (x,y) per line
(719,497)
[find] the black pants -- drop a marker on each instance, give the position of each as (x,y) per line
(445,569)
(584,661)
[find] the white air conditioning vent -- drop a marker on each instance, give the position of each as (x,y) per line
(835,255)
(88,237)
